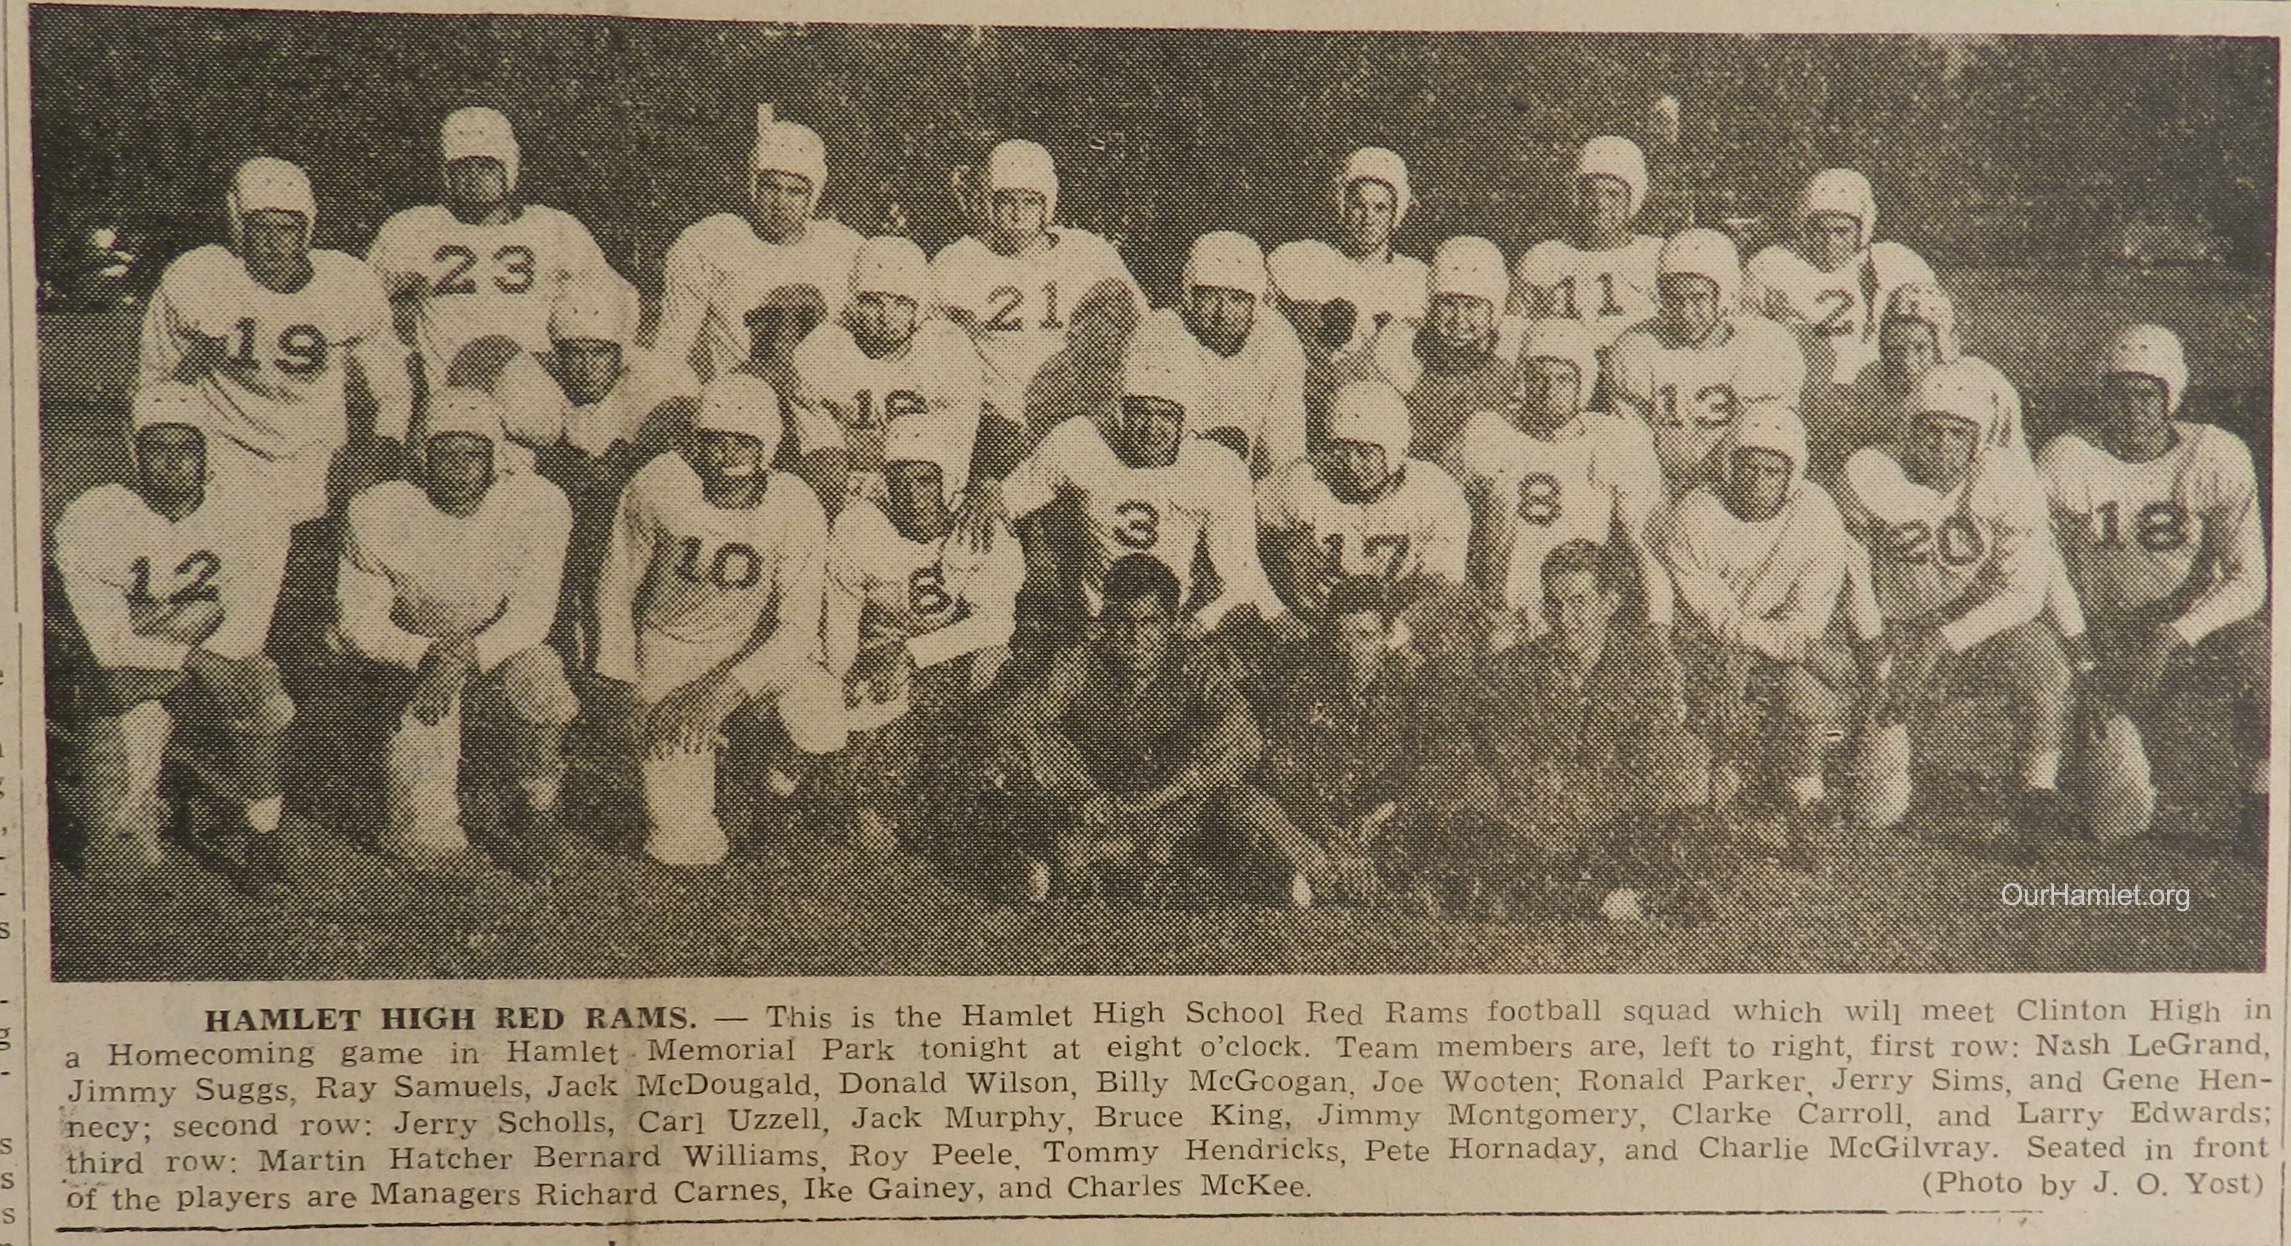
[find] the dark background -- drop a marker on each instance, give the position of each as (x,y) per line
(2005,150)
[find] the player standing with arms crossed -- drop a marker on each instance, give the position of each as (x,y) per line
(709,608)
(171,584)
(2158,519)
(741,289)
(482,263)
(1372,198)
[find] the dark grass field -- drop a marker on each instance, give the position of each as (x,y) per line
(1921,899)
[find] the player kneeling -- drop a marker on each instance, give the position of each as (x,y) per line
(2159,522)
(916,624)
(709,605)
(448,585)
(1134,746)
(1362,507)
(1960,556)
(1761,561)
(172,588)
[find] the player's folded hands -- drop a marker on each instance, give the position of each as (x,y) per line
(691,719)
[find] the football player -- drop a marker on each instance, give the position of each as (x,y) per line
(1761,562)
(589,413)
(171,584)
(1917,332)
(447,588)
(1140,486)
(741,289)
(271,331)
(1960,553)
(1701,360)
(709,606)
(1133,746)
(1832,285)
(2159,521)
(1251,365)
(882,362)
(1020,284)
(1362,508)
(1383,287)
(1454,366)
(917,623)
(1601,274)
(1311,282)
(1543,472)
(483,263)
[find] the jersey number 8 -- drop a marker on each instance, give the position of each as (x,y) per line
(1539,499)
(1140,526)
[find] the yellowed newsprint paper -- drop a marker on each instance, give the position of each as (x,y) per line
(677,622)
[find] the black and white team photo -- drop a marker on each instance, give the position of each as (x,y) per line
(602,497)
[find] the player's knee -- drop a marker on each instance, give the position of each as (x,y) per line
(533,685)
(812,713)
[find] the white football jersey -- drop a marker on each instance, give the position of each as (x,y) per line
(844,397)
(1689,395)
(116,553)
(942,598)
(1422,527)
(1259,392)
(2139,534)
(1393,289)
(1607,291)
(719,272)
(1976,554)
(411,573)
(540,414)
(1019,307)
(1596,470)
(687,586)
(1834,313)
(271,365)
(1202,499)
(1773,586)
(467,282)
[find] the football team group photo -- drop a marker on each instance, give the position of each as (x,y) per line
(708,498)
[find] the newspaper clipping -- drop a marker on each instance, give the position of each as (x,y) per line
(990,621)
